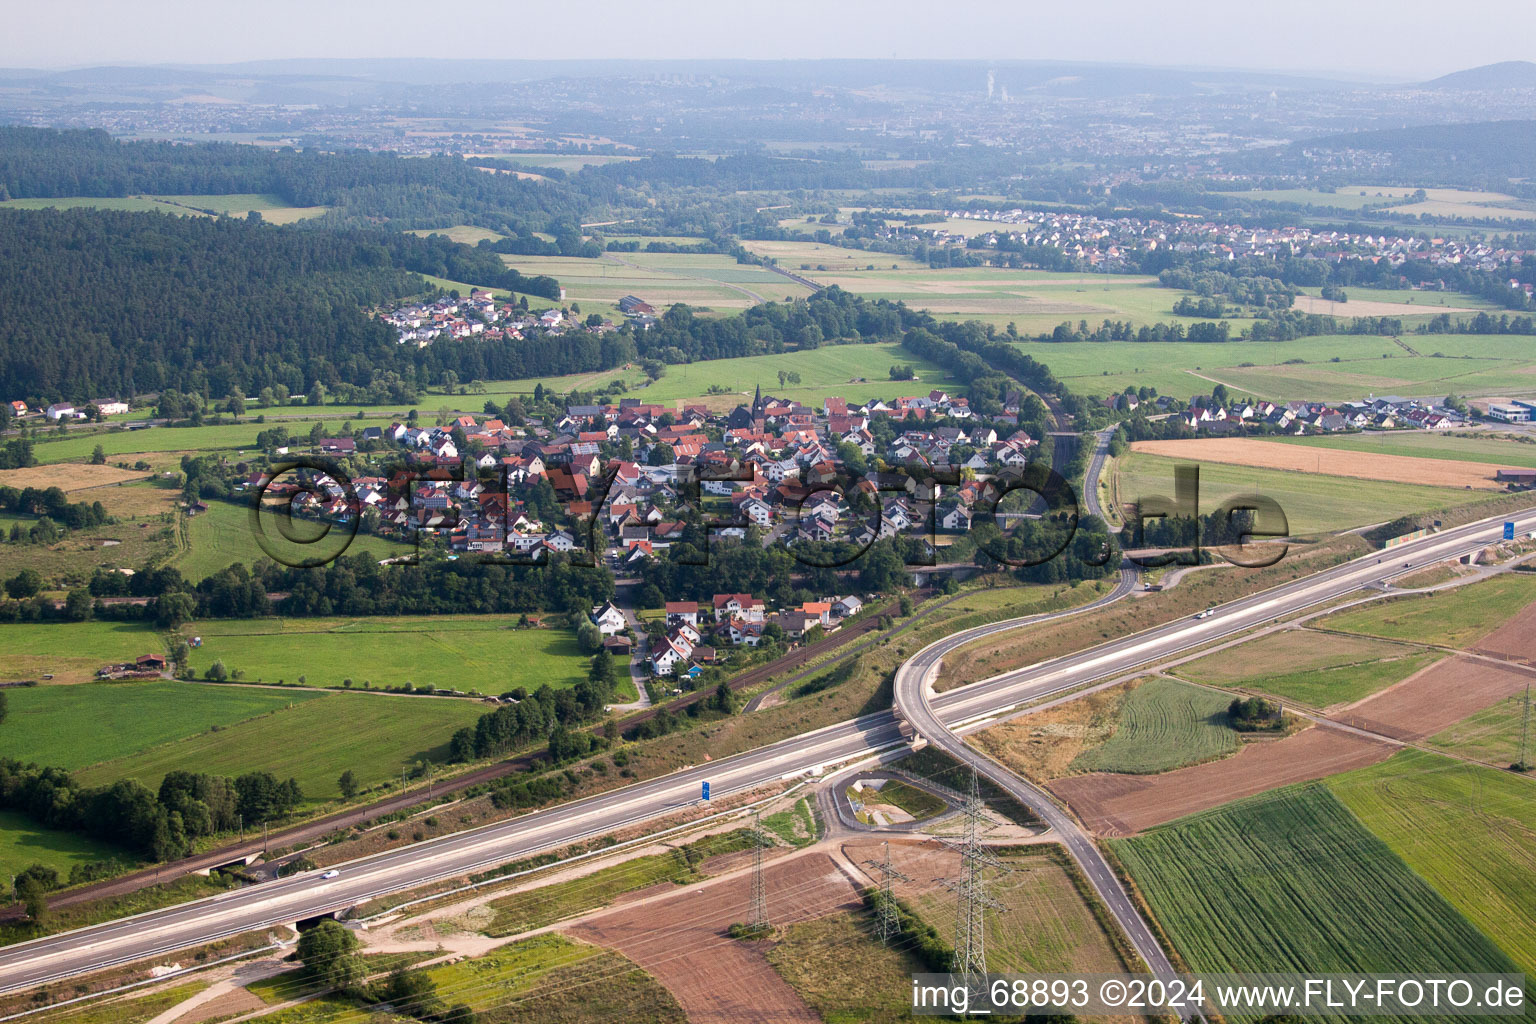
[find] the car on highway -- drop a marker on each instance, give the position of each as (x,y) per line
(331,873)
(1205,614)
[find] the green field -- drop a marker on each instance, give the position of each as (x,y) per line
(271,208)
(1470,831)
(551,977)
(314,739)
(840,968)
(1323,669)
(24,843)
(1164,724)
(70,651)
(1452,618)
(223,535)
(1312,503)
(1492,735)
(855,372)
(1425,445)
(463,652)
(75,726)
(1048,927)
(716,282)
(1292,881)
(226,436)
(1285,370)
(535,908)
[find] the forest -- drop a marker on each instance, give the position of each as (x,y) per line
(203,305)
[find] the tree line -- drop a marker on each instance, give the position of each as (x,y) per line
(158,825)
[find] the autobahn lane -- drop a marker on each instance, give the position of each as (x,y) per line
(935,719)
(53,957)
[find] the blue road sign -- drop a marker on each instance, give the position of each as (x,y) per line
(706,791)
(1509,531)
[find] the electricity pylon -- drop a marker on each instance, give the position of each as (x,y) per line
(972,898)
(757,918)
(889,916)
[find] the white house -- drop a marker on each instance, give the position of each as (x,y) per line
(609,618)
(60,411)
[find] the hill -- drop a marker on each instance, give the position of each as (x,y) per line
(1509,74)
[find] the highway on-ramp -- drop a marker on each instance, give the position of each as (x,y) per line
(71,953)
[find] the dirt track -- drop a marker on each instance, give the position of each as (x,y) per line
(1242,451)
(1117,805)
(1434,699)
(682,940)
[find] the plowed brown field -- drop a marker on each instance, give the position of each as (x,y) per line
(1438,697)
(1516,638)
(1118,805)
(682,940)
(1241,451)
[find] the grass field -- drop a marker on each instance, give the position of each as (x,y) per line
(70,651)
(534,908)
(1301,369)
(917,802)
(133,1010)
(1047,928)
(1322,669)
(1163,725)
(1425,445)
(485,652)
(224,437)
(1292,881)
(144,531)
(1492,735)
(271,208)
(222,536)
(714,281)
(843,972)
(314,739)
(1470,831)
(510,982)
(23,843)
(75,726)
(1312,503)
(1452,618)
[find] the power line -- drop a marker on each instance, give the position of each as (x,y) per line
(889,916)
(971,890)
(757,917)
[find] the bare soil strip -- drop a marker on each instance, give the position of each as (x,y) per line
(682,941)
(1120,805)
(1241,451)
(1434,699)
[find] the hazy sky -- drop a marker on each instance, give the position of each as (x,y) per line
(1394,39)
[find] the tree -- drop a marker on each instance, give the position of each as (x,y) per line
(217,673)
(329,953)
(98,456)
(78,605)
(24,584)
(589,638)
(34,898)
(347,784)
(235,403)
(174,610)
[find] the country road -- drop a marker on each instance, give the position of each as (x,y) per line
(285,900)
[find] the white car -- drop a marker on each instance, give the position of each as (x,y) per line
(331,873)
(1205,614)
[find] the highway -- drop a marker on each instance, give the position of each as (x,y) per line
(88,949)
